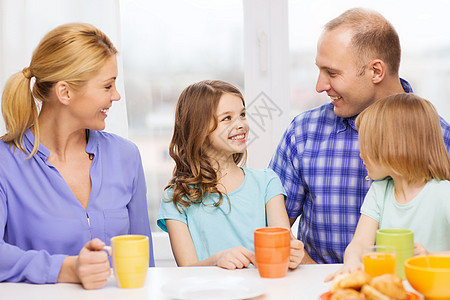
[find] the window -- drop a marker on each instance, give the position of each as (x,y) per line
(422,28)
(168,45)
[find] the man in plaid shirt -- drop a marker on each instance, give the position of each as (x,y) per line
(358,56)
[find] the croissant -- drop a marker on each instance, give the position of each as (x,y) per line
(359,285)
(354,280)
(347,294)
(391,285)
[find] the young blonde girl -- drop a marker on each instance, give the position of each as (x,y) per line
(403,149)
(212,205)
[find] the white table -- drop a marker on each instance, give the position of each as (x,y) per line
(306,282)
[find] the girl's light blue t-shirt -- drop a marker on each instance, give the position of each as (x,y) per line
(214,229)
(427,215)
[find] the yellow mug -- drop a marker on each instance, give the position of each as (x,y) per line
(130,259)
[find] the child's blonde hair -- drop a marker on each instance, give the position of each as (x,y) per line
(193,176)
(403,133)
(71,52)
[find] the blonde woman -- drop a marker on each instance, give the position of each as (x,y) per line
(66,187)
(404,152)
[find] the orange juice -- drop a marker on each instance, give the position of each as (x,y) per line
(379,263)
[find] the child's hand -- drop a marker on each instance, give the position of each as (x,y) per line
(234,258)
(346,268)
(419,250)
(297,253)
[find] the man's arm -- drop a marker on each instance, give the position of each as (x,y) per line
(307,259)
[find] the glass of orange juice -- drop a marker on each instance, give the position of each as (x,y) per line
(379,260)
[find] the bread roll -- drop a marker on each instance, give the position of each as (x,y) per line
(359,285)
(354,280)
(371,293)
(390,285)
(346,294)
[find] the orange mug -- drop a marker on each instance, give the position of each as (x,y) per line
(272,251)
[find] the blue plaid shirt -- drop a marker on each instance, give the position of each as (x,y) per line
(318,163)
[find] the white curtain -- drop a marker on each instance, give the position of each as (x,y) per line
(24,22)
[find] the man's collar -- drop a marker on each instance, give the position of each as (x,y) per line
(344,124)
(406,86)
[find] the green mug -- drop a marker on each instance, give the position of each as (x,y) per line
(402,240)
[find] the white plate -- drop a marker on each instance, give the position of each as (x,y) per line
(223,287)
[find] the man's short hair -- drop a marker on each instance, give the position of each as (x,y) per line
(373,37)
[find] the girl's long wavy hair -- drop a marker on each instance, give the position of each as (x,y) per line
(194,177)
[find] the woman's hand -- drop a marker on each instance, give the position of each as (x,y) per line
(297,253)
(90,268)
(346,268)
(420,250)
(93,265)
(234,258)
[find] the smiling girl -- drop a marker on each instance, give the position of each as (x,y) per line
(212,204)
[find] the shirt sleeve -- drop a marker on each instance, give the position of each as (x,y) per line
(274,186)
(446,133)
(137,207)
(167,210)
(372,205)
(286,164)
(17,265)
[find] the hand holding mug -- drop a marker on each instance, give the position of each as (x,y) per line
(90,267)
(419,250)
(297,253)
(93,265)
(130,259)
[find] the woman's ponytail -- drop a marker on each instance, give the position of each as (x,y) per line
(19,110)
